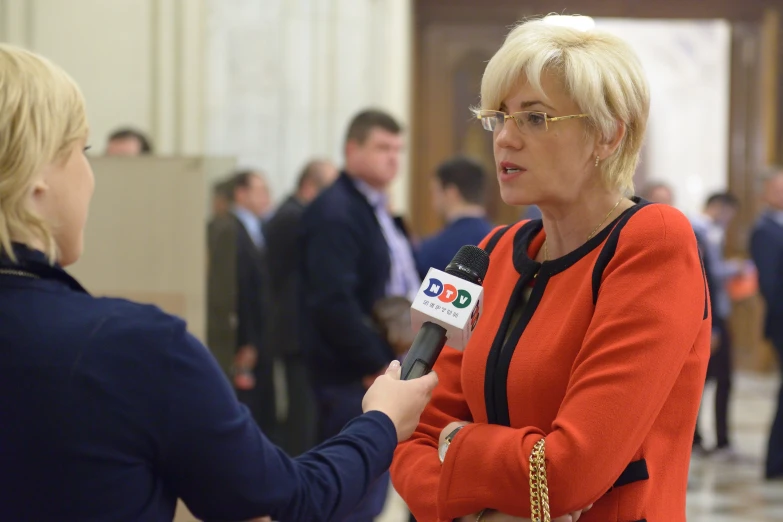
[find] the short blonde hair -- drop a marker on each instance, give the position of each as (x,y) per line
(42,114)
(601,73)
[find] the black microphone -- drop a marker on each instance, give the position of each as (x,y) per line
(446,308)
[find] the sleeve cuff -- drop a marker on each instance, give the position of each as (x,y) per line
(379,428)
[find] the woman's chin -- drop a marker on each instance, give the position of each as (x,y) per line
(515,197)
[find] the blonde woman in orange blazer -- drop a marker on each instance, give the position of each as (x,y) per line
(589,358)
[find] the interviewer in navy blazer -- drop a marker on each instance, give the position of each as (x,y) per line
(110,410)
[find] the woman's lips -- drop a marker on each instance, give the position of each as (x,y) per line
(508,171)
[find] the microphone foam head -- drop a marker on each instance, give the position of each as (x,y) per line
(471,264)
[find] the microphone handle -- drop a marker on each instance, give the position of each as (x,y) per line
(424,351)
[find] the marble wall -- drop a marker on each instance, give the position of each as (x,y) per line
(687,64)
(138,62)
(284,77)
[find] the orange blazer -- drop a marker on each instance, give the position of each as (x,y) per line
(607,361)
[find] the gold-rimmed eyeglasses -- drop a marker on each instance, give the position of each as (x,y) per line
(528,122)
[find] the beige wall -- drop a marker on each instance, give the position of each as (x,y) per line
(146,235)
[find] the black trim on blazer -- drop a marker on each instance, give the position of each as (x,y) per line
(706,289)
(493,241)
(633,472)
(494,353)
(607,252)
(500,354)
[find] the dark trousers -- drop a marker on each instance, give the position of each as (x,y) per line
(338,404)
(720,369)
(298,432)
(261,400)
(774,464)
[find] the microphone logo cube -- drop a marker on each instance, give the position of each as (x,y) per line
(448,293)
(451,302)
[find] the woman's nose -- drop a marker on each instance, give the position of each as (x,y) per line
(509,136)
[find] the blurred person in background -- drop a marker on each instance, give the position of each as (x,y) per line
(253,366)
(710,227)
(111,410)
(222,198)
(766,246)
(353,255)
(282,231)
(128,142)
(458,189)
(237,293)
(658,192)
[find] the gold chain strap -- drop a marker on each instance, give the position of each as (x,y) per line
(539,492)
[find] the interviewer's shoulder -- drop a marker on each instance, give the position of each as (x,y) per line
(136,326)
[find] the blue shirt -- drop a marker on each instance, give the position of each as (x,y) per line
(439,250)
(252,224)
(403,279)
(110,410)
(714,239)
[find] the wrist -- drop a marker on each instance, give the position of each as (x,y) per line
(450,432)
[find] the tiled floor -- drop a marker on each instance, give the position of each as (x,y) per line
(719,491)
(736,491)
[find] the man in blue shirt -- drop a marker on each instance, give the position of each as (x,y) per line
(458,195)
(710,228)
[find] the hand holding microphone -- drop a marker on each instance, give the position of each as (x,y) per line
(401,401)
(446,308)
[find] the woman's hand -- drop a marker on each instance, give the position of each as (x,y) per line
(496,516)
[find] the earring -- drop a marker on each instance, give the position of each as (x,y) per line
(597,159)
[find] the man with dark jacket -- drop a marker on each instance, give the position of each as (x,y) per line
(353,255)
(238,297)
(766,247)
(298,425)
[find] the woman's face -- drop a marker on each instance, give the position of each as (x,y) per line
(545,166)
(62,197)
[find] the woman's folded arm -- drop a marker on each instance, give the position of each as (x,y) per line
(416,468)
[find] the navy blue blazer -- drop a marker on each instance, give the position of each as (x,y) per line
(110,410)
(345,266)
(766,248)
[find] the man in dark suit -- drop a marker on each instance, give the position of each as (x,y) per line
(353,255)
(238,280)
(298,426)
(766,247)
(458,196)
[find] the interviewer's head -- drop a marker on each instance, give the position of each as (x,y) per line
(591,77)
(46,181)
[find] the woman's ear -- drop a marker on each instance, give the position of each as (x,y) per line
(40,187)
(606,147)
